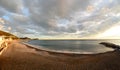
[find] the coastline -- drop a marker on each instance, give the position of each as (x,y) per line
(38,47)
(23,57)
(53,52)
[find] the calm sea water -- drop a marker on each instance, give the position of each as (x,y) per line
(74,46)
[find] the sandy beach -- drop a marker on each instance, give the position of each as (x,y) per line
(19,56)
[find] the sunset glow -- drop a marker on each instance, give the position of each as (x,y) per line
(113,32)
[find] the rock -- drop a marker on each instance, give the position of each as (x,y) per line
(111,45)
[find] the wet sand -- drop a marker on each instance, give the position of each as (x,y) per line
(19,56)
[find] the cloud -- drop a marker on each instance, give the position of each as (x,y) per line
(53,18)
(12,6)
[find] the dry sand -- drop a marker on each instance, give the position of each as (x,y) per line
(18,56)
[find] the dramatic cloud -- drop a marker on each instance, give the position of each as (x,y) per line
(59,18)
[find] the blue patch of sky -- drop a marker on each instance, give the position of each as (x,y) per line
(7,17)
(31,30)
(25,11)
(63,22)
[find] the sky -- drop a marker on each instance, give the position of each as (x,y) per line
(61,19)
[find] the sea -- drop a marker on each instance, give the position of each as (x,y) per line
(74,46)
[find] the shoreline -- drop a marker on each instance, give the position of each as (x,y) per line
(53,52)
(22,57)
(38,48)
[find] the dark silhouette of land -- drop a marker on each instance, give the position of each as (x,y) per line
(111,45)
(18,56)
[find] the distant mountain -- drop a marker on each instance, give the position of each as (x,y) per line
(2,33)
(25,38)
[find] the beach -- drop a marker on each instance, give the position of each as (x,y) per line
(19,56)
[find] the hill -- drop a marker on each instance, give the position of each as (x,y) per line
(6,34)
